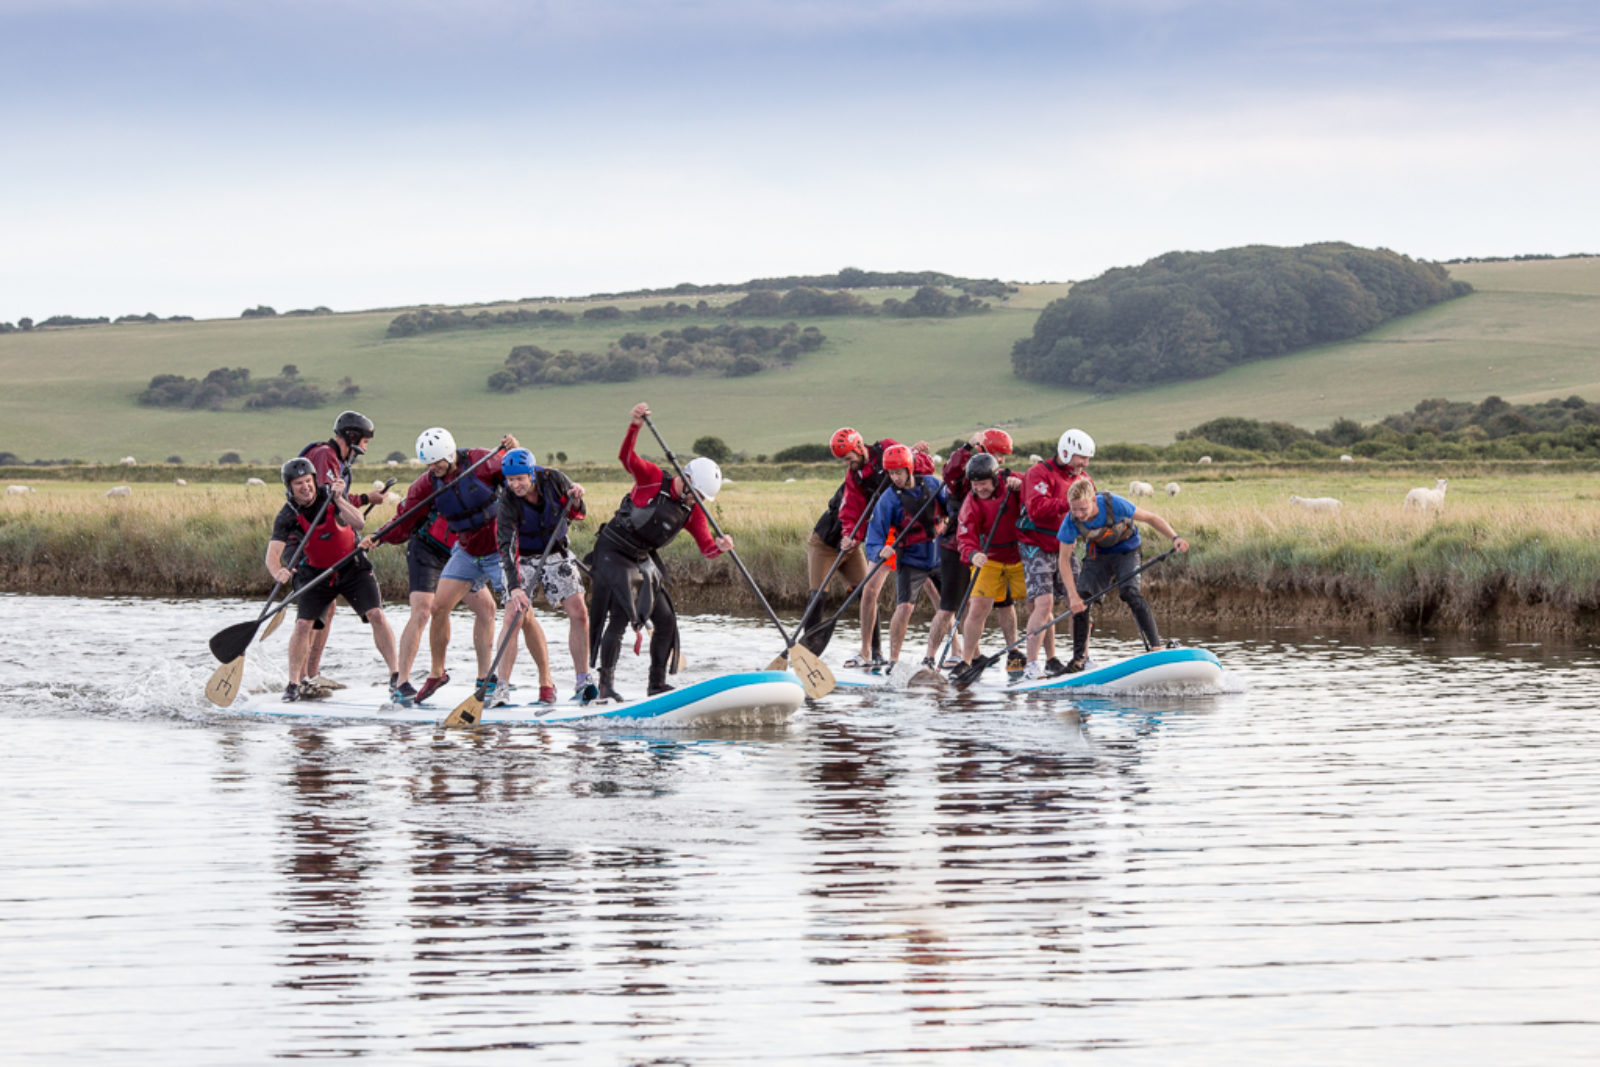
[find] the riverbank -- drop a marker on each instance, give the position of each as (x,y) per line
(1518,553)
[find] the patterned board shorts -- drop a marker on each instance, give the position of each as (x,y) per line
(1043,572)
(559,580)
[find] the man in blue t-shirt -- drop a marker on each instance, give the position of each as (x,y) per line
(1108,525)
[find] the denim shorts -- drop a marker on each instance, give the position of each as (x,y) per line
(475,570)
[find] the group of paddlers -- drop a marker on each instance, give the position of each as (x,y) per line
(973,537)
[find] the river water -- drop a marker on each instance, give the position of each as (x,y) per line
(1363,850)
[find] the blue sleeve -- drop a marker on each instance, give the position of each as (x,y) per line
(1068,534)
(1121,507)
(878,525)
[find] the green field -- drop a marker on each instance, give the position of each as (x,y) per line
(1532,331)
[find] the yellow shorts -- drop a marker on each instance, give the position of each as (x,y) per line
(995,578)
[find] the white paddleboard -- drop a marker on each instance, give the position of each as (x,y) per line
(1165,668)
(749,698)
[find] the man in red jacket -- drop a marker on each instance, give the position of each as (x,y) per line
(1044,504)
(987,539)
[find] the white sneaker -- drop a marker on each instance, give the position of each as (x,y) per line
(1033,671)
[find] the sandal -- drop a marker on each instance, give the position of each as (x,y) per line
(856,663)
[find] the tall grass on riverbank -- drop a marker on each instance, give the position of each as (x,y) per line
(1517,552)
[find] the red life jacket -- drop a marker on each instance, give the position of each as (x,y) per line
(329,542)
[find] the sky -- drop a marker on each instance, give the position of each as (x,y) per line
(200,157)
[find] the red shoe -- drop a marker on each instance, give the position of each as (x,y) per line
(431,685)
(547,694)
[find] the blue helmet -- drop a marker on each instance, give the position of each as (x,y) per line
(518,461)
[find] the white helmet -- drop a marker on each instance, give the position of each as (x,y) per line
(705,476)
(434,444)
(1074,443)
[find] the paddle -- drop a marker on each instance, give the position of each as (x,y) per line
(277,619)
(812,672)
(816,594)
(470,710)
(231,642)
(777,664)
(223,685)
(983,546)
(975,669)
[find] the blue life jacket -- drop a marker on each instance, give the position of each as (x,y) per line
(536,524)
(469,504)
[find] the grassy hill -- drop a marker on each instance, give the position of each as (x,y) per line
(1531,331)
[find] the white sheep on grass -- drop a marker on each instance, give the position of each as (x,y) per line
(1173,488)
(1347,459)
(1316,503)
(128,461)
(119,490)
(1427,499)
(1137,488)
(180,481)
(254,481)
(1203,459)
(18,490)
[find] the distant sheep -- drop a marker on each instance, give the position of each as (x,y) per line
(180,481)
(1316,503)
(1347,459)
(1173,488)
(378,485)
(1137,488)
(1034,457)
(128,461)
(1427,499)
(1203,459)
(254,481)
(119,490)
(18,490)
(392,463)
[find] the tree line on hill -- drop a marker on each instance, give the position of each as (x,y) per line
(24,324)
(800,302)
(217,388)
(845,278)
(1193,314)
(1435,429)
(727,349)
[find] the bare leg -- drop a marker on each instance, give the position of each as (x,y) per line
(577,632)
(383,637)
(299,650)
(897,628)
(1043,608)
(445,598)
(319,642)
(869,609)
(1008,622)
(978,609)
(411,635)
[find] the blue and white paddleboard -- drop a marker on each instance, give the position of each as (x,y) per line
(749,698)
(1166,668)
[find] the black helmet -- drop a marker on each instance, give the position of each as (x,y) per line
(350,427)
(982,466)
(298,467)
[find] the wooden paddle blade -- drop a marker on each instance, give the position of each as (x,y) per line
(273,624)
(466,713)
(779,664)
(812,672)
(224,683)
(228,645)
(679,664)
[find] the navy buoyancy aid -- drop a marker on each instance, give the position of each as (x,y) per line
(468,504)
(641,529)
(535,524)
(329,541)
(912,501)
(1112,533)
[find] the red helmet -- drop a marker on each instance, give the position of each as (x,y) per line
(897,457)
(845,441)
(996,442)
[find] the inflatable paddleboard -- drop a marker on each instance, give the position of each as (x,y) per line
(1165,668)
(750,698)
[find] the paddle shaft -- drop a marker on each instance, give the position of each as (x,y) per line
(385,528)
(988,661)
(787,641)
(822,587)
(863,583)
(983,546)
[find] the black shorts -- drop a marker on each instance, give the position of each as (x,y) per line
(355,582)
(423,564)
(908,581)
(953,578)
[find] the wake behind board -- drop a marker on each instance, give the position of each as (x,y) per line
(1165,668)
(749,698)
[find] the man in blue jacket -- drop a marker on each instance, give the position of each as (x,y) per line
(904,507)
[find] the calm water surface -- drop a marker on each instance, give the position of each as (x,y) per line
(1366,850)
